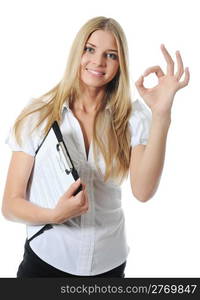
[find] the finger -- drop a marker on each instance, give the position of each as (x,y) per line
(85,208)
(169,60)
(83,185)
(85,195)
(85,199)
(155,69)
(186,79)
(82,198)
(73,187)
(180,69)
(140,86)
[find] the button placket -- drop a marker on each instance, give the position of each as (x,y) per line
(71,142)
(87,231)
(79,137)
(75,136)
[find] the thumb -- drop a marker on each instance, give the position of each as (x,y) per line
(140,86)
(73,187)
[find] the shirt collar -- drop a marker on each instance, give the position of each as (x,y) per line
(65,106)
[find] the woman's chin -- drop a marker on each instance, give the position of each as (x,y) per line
(93,83)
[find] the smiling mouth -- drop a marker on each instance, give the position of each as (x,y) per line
(96,73)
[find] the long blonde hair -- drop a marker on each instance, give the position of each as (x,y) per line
(114,145)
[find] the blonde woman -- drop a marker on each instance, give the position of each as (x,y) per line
(108,135)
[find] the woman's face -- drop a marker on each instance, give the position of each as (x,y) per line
(100,62)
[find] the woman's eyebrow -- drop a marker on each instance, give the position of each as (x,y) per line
(113,50)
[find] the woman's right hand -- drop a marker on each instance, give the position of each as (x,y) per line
(70,206)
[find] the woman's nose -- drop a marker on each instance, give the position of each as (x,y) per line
(99,59)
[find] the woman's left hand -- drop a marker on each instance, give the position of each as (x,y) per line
(160,97)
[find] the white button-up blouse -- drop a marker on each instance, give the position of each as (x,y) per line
(94,242)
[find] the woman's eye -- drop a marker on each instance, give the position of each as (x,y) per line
(89,49)
(113,56)
(110,55)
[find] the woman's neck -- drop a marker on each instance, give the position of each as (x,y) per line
(89,101)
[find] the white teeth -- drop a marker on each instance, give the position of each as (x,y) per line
(95,72)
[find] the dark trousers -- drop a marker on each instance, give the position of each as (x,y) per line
(33,266)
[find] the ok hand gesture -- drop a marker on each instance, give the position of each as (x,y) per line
(160,97)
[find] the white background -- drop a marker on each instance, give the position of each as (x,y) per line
(163,234)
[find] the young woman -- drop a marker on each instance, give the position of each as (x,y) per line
(108,135)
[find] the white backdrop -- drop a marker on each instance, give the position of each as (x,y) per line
(163,233)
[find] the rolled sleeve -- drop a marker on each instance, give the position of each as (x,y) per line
(30,141)
(140,122)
